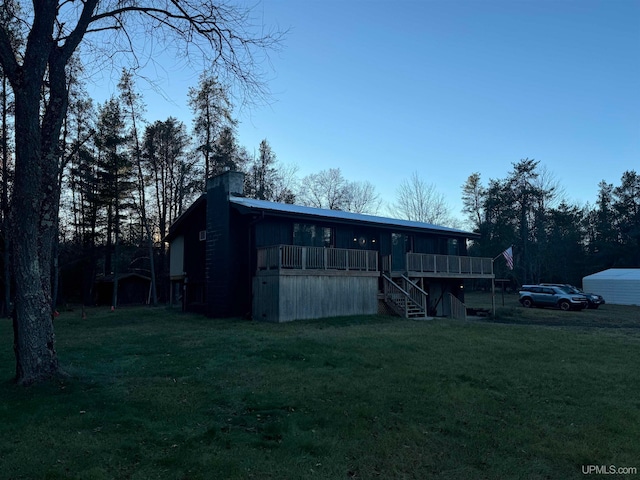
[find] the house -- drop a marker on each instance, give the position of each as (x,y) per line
(235,256)
(618,286)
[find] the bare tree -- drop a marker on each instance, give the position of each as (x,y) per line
(326,189)
(547,182)
(420,201)
(216,30)
(362,198)
(330,189)
(285,183)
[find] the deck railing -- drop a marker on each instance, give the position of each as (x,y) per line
(316,258)
(450,264)
(321,258)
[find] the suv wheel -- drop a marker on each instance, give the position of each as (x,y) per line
(564,305)
(527,303)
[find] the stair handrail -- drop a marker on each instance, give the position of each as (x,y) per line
(389,299)
(414,284)
(406,294)
(396,285)
(420,296)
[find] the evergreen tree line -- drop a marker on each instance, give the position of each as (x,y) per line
(126,180)
(552,240)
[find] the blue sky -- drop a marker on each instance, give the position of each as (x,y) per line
(447,88)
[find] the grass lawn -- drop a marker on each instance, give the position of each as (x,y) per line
(155,394)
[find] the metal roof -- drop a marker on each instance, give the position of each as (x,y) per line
(286,208)
(617,274)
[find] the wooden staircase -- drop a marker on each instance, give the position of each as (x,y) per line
(407,300)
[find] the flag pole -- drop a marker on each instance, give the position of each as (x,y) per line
(493,278)
(493,288)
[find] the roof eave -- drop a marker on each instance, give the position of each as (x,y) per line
(316,214)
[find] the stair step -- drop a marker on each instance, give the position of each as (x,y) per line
(401,303)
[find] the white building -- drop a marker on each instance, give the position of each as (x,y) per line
(619,286)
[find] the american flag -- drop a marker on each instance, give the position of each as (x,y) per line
(508,256)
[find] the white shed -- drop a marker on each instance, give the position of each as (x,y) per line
(619,286)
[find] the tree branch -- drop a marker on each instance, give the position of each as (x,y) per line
(9,63)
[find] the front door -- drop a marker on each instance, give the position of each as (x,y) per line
(398,251)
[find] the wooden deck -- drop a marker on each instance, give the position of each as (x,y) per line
(296,282)
(440,266)
(293,259)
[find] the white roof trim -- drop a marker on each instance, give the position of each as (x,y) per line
(340,215)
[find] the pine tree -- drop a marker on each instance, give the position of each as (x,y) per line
(212,115)
(627,208)
(37,73)
(173,175)
(133,111)
(262,173)
(226,154)
(115,182)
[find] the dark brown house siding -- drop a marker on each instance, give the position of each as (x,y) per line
(221,270)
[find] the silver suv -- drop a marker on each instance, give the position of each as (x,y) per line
(551,296)
(594,300)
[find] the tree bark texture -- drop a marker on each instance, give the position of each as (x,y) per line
(36,193)
(32,222)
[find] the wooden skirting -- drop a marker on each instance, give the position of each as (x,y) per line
(283,298)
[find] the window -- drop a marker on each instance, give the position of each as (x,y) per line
(203,235)
(452,247)
(308,235)
(327,237)
(402,243)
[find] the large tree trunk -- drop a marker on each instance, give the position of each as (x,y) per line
(35,204)
(32,235)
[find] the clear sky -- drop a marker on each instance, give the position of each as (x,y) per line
(383,88)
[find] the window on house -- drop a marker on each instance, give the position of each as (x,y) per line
(327,237)
(308,235)
(452,247)
(202,235)
(303,234)
(402,243)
